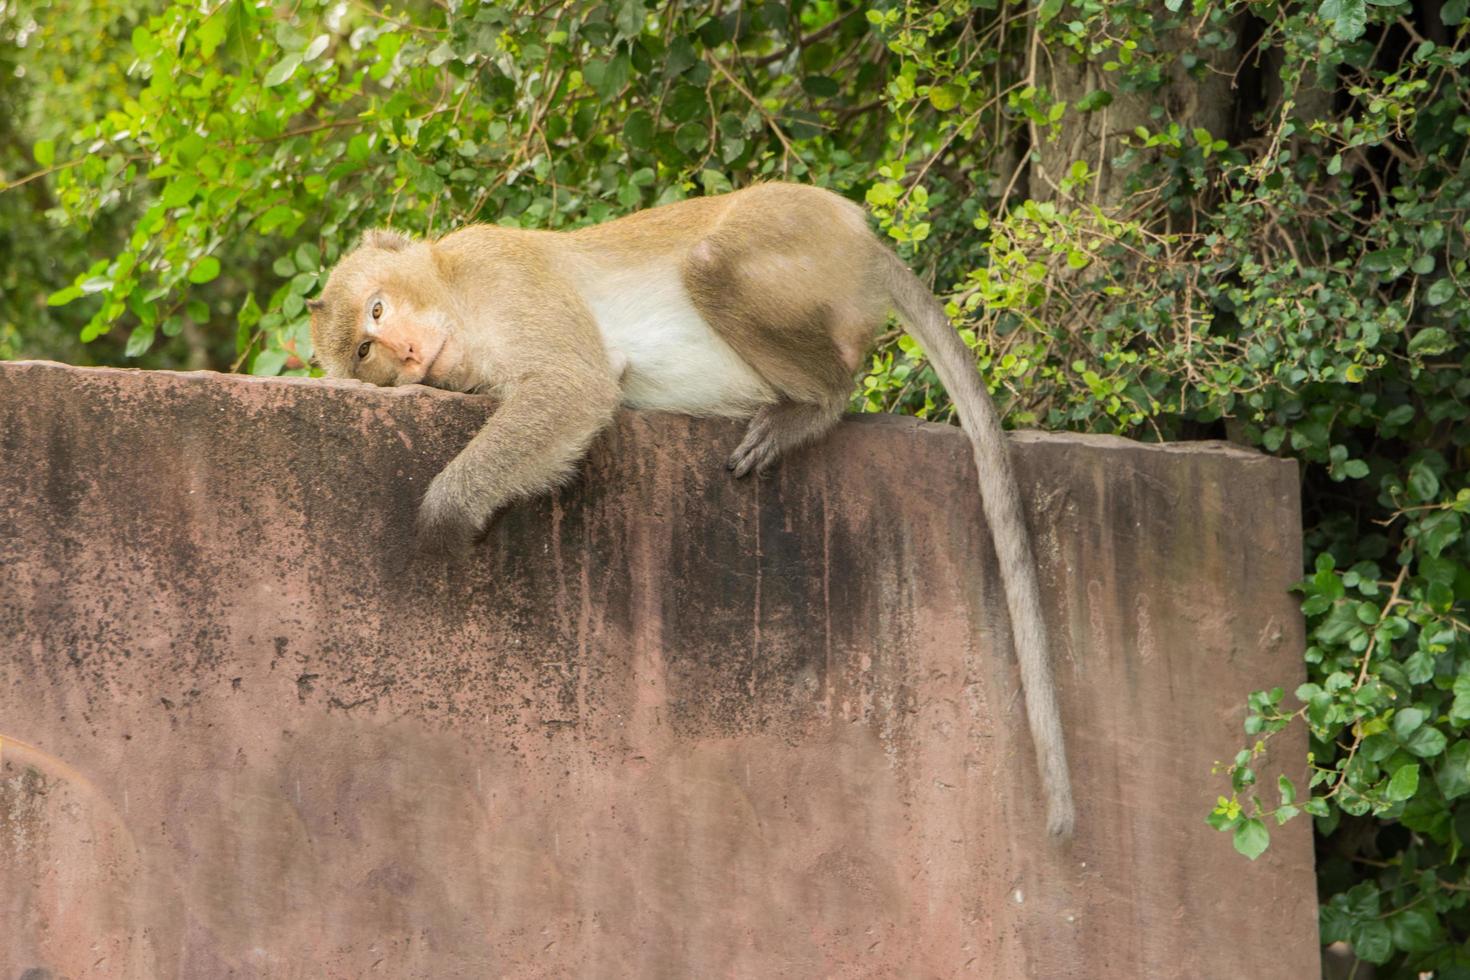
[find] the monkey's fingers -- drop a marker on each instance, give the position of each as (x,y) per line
(756,452)
(443,531)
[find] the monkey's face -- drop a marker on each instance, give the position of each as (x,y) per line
(373,323)
(396,343)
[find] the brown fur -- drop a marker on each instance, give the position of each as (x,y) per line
(790,277)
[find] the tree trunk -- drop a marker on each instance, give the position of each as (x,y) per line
(1096,137)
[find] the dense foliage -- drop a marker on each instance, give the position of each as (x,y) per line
(1206,218)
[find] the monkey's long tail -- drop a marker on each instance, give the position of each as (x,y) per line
(1001,498)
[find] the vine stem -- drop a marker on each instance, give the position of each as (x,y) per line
(1393,599)
(789,150)
(45,171)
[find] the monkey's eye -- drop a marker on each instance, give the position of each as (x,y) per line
(377,309)
(362,350)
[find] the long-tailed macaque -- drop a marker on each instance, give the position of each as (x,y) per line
(760,304)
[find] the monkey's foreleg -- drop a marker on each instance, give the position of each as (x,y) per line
(531,445)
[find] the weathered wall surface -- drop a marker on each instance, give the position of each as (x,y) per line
(664,725)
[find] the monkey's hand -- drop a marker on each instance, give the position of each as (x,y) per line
(449,520)
(542,426)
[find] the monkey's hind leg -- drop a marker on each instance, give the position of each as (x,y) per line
(777,428)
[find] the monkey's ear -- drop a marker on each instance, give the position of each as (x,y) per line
(383,238)
(316,304)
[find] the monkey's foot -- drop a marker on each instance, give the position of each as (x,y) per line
(758,450)
(778,428)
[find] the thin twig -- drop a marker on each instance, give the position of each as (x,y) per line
(789,150)
(44,172)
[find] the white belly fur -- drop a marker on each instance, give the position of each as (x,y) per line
(676,361)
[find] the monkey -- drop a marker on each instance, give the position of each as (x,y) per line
(759,304)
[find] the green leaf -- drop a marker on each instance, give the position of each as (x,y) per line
(212,32)
(638,130)
(249,313)
(945,97)
(1252,838)
(1348,18)
(630,18)
(282,70)
(681,57)
(1430,341)
(63,296)
(1438,531)
(358,148)
(315,48)
(180,190)
(44,151)
(1414,930)
(268,363)
(1426,743)
(1404,784)
(145,45)
(1441,570)
(1453,774)
(714,182)
(308,257)
(608,78)
(275,218)
(1391,260)
(139,340)
(1399,416)
(1373,941)
(1423,483)
(1460,709)
(189,148)
(1440,291)
(691,138)
(1420,667)
(821,87)
(205,270)
(1334,921)
(687,103)
(1407,720)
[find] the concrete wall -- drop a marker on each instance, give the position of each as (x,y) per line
(663,725)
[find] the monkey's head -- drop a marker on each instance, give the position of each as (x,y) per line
(377,319)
